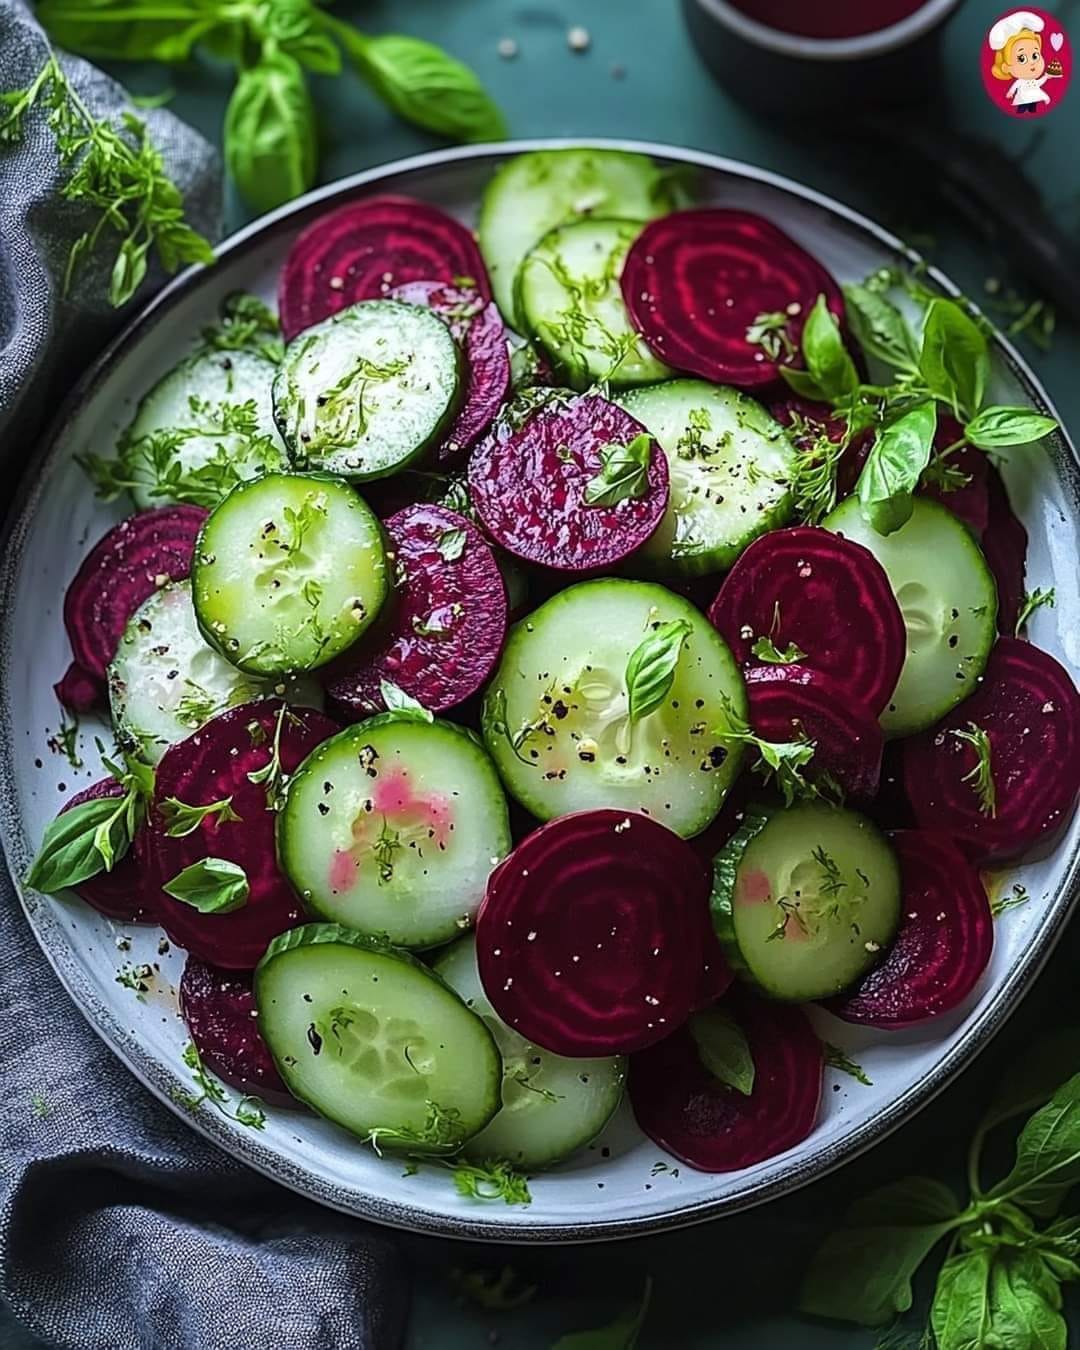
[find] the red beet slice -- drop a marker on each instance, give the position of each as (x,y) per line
(848,740)
(717,976)
(477,325)
(687,1110)
(695,282)
(447,630)
(129,563)
(219,1009)
(806,421)
(828,596)
(363,250)
(213,764)
(1030,709)
(589,937)
(78,689)
(944,944)
(528,486)
(128,892)
(1004,545)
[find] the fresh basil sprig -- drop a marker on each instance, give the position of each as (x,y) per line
(723,1048)
(270,140)
(897,459)
(650,672)
(92,838)
(211,885)
(1009,1253)
(624,472)
(403,705)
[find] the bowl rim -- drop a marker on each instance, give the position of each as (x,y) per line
(861,47)
(262,1157)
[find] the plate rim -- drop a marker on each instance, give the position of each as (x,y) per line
(161,1081)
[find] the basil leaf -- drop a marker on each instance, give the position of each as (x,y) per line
(880,329)
(624,472)
(723,1048)
(1025,1302)
(270,144)
(863,1273)
(765,649)
(72,850)
(212,886)
(182,819)
(960,1312)
(315,52)
(451,544)
(403,704)
(622,1334)
(900,453)
(803,384)
(650,672)
(998,427)
(104,30)
(423,84)
(1047,1155)
(827,359)
(955,360)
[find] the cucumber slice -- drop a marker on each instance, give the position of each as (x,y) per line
(192,438)
(288,572)
(165,682)
(372,1040)
(730,467)
(805,900)
(948,597)
(569,298)
(533,193)
(551,1105)
(392,828)
(556,716)
(366,391)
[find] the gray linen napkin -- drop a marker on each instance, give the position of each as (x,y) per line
(121,1229)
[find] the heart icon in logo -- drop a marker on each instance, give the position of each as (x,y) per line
(1057,41)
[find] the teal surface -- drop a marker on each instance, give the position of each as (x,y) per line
(727,1284)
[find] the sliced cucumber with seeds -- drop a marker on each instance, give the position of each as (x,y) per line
(203,428)
(288,572)
(730,466)
(165,682)
(557,715)
(569,297)
(374,1041)
(551,1106)
(393,827)
(366,392)
(948,597)
(532,193)
(805,900)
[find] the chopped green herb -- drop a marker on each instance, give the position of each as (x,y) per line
(39,1105)
(1010,900)
(272,775)
(452,543)
(836,1058)
(624,473)
(766,650)
(65,740)
(248,1110)
(494,1180)
(981,775)
(182,819)
(771,333)
(1034,600)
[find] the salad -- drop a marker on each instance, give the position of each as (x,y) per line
(541,662)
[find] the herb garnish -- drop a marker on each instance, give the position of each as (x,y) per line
(836,1058)
(770,333)
(1010,900)
(494,1180)
(782,761)
(766,650)
(650,671)
(624,473)
(981,775)
(1034,600)
(451,544)
(39,1105)
(65,740)
(119,173)
(248,1109)
(272,775)
(182,819)
(723,1048)
(442,1129)
(403,704)
(211,885)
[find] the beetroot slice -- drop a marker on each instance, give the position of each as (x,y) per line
(528,484)
(477,325)
(806,420)
(1004,546)
(127,893)
(685,1109)
(589,937)
(133,560)
(717,977)
(944,944)
(1030,709)
(213,764)
(848,741)
(78,689)
(362,251)
(829,597)
(695,281)
(447,630)
(219,1009)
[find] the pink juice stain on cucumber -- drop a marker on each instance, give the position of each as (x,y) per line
(753,888)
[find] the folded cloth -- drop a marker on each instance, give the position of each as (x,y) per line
(120,1228)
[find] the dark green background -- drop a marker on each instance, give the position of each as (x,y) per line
(728,1283)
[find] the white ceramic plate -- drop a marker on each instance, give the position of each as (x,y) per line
(594,1195)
